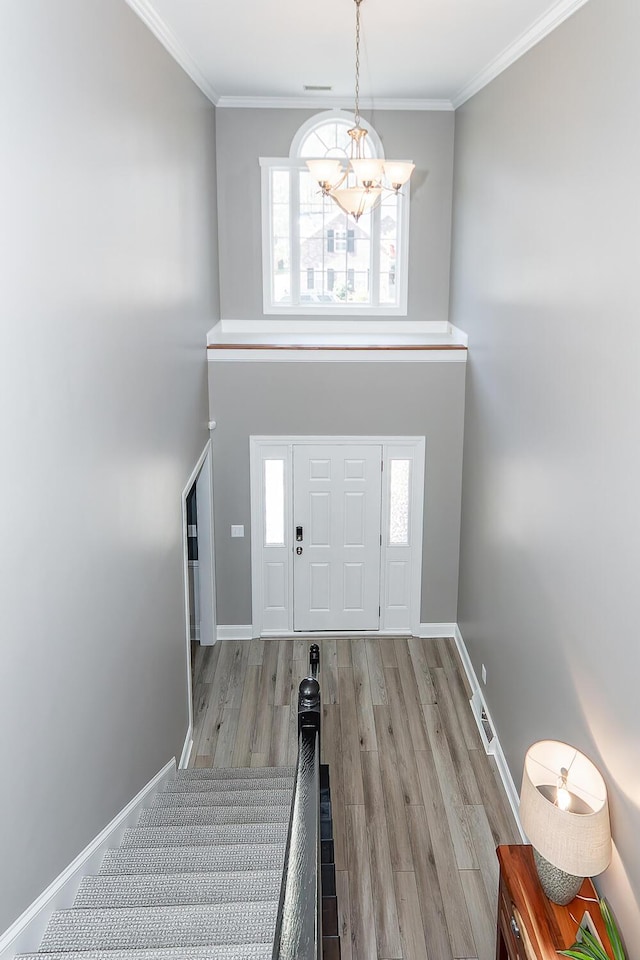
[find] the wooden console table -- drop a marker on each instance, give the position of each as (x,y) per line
(530,926)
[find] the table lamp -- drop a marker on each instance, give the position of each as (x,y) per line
(565,814)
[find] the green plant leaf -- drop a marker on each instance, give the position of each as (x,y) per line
(577,954)
(612,931)
(595,947)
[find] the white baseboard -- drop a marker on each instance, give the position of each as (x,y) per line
(186,750)
(234,631)
(25,935)
(332,634)
(426,630)
(431,631)
(493,747)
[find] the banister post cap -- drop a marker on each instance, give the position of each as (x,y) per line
(309,694)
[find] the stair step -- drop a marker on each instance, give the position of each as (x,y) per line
(177,890)
(192,836)
(160,927)
(219,785)
(234,773)
(189,859)
(226,798)
(223,951)
(211,816)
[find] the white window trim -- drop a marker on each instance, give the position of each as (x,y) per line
(337,309)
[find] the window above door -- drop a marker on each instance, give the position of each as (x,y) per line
(316,259)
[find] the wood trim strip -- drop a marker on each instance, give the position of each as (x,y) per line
(300,346)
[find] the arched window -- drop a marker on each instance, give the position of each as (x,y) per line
(327,135)
(316,259)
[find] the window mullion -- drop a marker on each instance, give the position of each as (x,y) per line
(375,256)
(346,264)
(294,233)
(324,245)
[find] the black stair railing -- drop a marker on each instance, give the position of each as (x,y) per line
(299,923)
(314,660)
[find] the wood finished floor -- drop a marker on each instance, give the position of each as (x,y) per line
(418,808)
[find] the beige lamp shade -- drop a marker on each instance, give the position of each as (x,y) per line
(368,171)
(326,171)
(576,840)
(398,172)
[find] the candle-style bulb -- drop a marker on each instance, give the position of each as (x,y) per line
(563,797)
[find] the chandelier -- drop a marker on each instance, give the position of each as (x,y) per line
(359,187)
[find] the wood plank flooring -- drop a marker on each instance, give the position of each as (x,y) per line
(418,807)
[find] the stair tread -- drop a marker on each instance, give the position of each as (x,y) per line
(192,835)
(218,785)
(198,878)
(222,951)
(212,816)
(232,798)
(158,927)
(196,859)
(233,773)
(132,890)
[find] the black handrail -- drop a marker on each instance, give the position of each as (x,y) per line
(299,922)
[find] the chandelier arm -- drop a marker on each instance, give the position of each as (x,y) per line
(336,186)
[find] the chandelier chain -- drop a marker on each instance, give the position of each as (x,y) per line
(357,111)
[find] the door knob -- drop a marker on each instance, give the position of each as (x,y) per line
(299,550)
(298,533)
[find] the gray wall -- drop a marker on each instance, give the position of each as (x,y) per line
(545,281)
(107,239)
(341,399)
(243,136)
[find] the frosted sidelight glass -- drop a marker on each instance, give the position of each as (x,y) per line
(274,503)
(399,501)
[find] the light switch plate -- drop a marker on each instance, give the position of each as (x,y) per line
(237,530)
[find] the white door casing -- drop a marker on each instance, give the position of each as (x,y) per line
(206,567)
(336,561)
(398,527)
(205,458)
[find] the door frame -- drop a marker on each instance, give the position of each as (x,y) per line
(205,457)
(260,444)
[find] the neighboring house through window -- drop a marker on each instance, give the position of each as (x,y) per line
(316,259)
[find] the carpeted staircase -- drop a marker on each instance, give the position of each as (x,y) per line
(197,879)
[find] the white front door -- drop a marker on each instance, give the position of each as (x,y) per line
(336,543)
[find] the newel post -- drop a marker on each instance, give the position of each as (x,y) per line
(309,708)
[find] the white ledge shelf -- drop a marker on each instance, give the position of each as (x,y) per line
(337,341)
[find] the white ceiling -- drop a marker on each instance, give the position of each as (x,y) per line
(422,53)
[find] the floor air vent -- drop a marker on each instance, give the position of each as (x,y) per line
(486,726)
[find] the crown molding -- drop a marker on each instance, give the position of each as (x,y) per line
(537,31)
(560,12)
(166,36)
(329,103)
